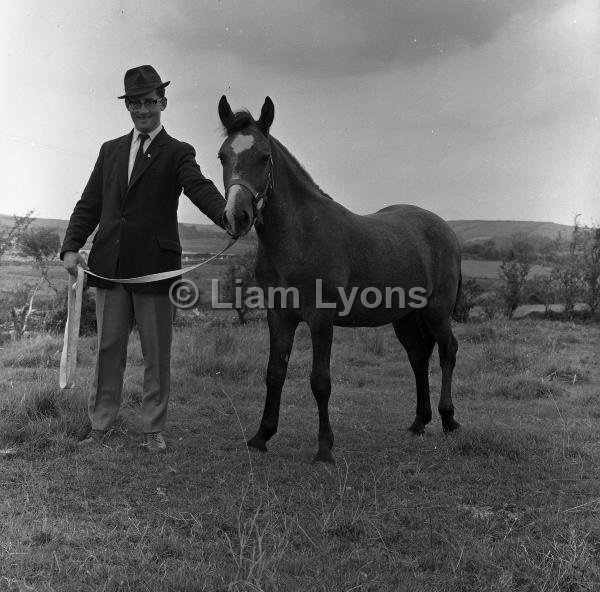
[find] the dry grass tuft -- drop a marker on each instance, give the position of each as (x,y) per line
(566,372)
(40,351)
(524,387)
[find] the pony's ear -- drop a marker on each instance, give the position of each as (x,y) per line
(267,115)
(225,113)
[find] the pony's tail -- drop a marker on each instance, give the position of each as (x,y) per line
(458,293)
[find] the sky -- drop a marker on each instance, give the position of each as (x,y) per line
(474,109)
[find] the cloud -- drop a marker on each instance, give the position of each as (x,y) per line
(492,110)
(505,130)
(340,37)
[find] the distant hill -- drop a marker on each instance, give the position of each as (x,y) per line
(209,238)
(185,230)
(501,230)
(60,225)
(195,238)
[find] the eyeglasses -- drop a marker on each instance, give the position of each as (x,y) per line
(135,105)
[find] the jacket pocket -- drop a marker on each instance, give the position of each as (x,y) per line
(168,244)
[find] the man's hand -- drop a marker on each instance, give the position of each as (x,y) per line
(71,260)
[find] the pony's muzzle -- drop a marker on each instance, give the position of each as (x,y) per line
(239,213)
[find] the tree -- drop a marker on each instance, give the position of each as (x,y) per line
(514,269)
(490,303)
(548,250)
(544,289)
(21,308)
(591,267)
(567,271)
(9,236)
(239,278)
(470,292)
(20,300)
(42,245)
(56,316)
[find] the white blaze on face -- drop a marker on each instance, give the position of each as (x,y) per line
(241,143)
(235,193)
(238,210)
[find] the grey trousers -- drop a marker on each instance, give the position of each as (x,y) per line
(116,311)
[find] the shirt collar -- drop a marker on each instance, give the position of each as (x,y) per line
(152,134)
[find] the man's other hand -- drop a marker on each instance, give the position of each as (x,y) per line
(71,260)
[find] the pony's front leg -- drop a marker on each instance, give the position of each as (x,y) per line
(321,331)
(282,327)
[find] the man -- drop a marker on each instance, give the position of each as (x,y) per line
(132,196)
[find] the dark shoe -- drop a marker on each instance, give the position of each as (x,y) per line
(94,438)
(154,442)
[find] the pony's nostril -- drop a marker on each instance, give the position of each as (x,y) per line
(243,219)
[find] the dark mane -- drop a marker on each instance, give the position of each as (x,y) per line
(299,166)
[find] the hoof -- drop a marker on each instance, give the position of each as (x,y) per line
(450,426)
(324,456)
(417,428)
(257,443)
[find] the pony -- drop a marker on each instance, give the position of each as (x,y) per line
(333,267)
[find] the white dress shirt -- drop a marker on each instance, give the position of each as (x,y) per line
(135,142)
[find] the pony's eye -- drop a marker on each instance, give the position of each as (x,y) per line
(265,158)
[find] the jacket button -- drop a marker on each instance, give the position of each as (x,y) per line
(117,242)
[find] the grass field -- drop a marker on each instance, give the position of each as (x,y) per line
(509,502)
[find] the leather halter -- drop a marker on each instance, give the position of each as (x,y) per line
(259,198)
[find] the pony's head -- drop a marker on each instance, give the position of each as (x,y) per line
(247,164)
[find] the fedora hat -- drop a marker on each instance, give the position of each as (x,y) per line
(142,80)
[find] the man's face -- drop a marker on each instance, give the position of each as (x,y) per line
(145,111)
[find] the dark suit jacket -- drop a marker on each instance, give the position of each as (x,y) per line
(137,223)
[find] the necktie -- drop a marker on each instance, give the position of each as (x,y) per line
(140,153)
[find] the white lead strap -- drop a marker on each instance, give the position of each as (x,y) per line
(68,359)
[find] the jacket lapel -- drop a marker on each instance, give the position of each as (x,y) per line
(152,153)
(123,162)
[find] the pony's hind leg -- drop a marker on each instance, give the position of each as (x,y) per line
(440,326)
(282,328)
(321,331)
(414,335)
